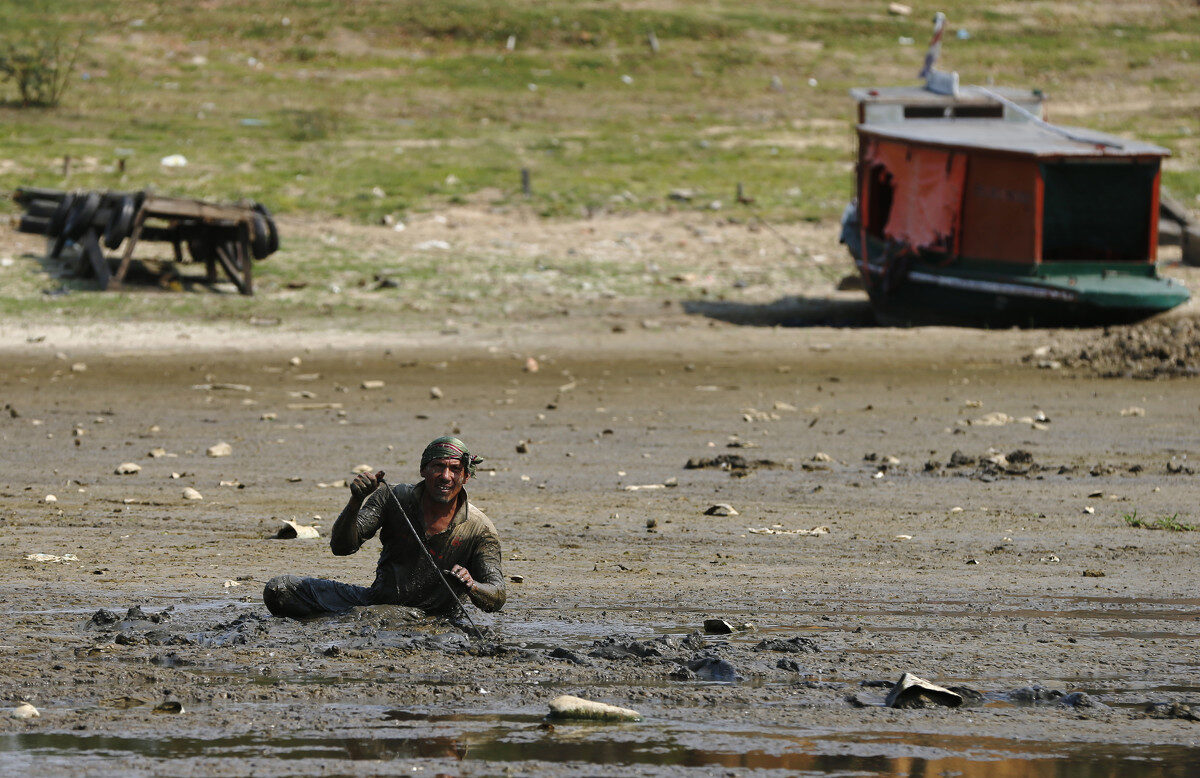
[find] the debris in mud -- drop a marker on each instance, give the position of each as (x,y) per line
(291,530)
(737,464)
(1148,351)
(569,655)
(569,707)
(191,494)
(123,702)
(711,668)
(169,706)
(777,529)
(24,711)
(721,509)
(990,465)
(793,645)
(1172,710)
(1038,695)
(913,692)
(221,449)
(51,558)
(128,468)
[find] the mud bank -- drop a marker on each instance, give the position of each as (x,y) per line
(976,508)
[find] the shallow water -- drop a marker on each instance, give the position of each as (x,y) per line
(527,739)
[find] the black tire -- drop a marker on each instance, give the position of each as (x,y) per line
(34,225)
(41,208)
(27,194)
(260,238)
(120,224)
(81,215)
(59,219)
(272,233)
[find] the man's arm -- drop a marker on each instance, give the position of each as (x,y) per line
(361,517)
(483,577)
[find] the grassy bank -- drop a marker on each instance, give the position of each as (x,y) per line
(366,109)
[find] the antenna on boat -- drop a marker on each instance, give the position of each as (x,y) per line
(937,81)
(1045,125)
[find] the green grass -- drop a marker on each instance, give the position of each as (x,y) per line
(1169,523)
(307,115)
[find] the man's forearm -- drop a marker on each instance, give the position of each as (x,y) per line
(344,540)
(486,597)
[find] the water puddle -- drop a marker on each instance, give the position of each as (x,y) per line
(527,739)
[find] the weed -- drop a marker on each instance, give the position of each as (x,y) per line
(1170,523)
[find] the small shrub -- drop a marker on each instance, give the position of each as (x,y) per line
(1169,523)
(40,67)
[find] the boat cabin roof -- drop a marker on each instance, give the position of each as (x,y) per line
(1024,138)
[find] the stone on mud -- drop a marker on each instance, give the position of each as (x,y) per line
(221,449)
(24,711)
(718,627)
(569,655)
(569,707)
(913,692)
(1173,710)
(294,531)
(711,668)
(191,494)
(721,509)
(793,645)
(128,468)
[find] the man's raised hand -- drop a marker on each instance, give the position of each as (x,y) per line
(363,484)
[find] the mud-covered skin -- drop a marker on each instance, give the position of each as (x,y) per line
(403,575)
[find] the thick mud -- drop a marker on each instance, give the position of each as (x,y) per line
(976,509)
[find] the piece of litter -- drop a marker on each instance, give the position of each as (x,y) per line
(51,558)
(291,530)
(24,711)
(569,707)
(778,531)
(643,487)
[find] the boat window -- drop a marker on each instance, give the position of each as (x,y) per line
(995,111)
(1098,210)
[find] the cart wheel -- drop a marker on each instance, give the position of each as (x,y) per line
(272,232)
(80,217)
(120,224)
(59,219)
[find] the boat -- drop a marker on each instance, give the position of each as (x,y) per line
(972,209)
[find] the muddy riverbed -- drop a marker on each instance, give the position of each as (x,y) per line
(977,508)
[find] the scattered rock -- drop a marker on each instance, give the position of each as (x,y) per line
(372,384)
(24,711)
(221,449)
(959,459)
(169,706)
(569,655)
(1172,710)
(718,627)
(711,668)
(913,692)
(1035,694)
(128,468)
(793,645)
(531,365)
(293,531)
(568,707)
(721,509)
(191,494)
(49,498)
(435,393)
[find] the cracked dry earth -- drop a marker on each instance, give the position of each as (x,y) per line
(975,506)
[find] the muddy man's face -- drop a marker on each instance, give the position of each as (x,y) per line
(444,479)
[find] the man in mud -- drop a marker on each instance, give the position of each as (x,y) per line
(459,537)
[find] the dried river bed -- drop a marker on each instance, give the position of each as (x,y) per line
(999,576)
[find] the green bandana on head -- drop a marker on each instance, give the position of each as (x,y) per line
(450,447)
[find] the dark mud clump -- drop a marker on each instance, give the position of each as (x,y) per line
(796,645)
(736,464)
(1147,351)
(1173,710)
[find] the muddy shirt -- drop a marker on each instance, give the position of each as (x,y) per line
(403,575)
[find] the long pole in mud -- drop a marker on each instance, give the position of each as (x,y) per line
(437,571)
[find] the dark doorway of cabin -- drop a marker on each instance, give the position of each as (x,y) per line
(1098,210)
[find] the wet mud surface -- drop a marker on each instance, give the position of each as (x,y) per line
(977,537)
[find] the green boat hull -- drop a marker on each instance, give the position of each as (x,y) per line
(925,289)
